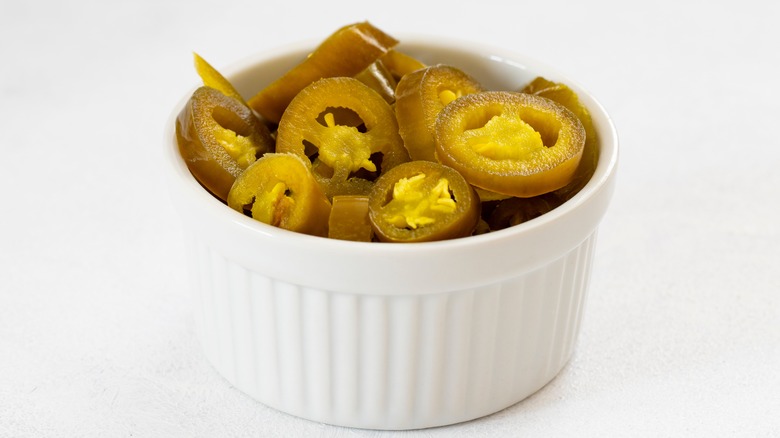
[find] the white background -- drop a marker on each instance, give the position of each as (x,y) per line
(681,335)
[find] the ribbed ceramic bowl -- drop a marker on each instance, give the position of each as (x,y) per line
(392,336)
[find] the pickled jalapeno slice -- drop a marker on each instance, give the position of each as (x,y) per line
(218,138)
(400,64)
(420,96)
(511,143)
(345,157)
(564,95)
(379,79)
(349,219)
(279,190)
(422,201)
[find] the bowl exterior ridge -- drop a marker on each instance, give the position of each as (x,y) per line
(389,361)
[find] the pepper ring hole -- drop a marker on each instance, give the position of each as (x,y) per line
(228,119)
(545,124)
(342,116)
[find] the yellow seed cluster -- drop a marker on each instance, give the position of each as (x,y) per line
(413,203)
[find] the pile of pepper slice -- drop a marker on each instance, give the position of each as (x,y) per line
(363,142)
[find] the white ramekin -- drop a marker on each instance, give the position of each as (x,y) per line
(392,336)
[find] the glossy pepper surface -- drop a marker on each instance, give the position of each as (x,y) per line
(422,201)
(379,79)
(564,95)
(346,52)
(211,77)
(420,96)
(400,64)
(345,157)
(511,143)
(279,190)
(349,219)
(218,138)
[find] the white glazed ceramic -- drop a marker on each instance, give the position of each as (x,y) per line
(392,336)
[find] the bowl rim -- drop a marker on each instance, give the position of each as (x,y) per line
(183,184)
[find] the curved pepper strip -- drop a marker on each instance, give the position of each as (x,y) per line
(564,95)
(346,52)
(379,79)
(218,138)
(420,96)
(422,201)
(349,219)
(400,64)
(214,79)
(279,190)
(511,143)
(346,157)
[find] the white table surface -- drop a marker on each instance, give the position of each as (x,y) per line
(681,335)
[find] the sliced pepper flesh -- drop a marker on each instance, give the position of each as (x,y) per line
(211,77)
(422,201)
(349,219)
(400,64)
(379,79)
(279,190)
(515,144)
(346,157)
(420,96)
(218,138)
(347,52)
(564,95)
